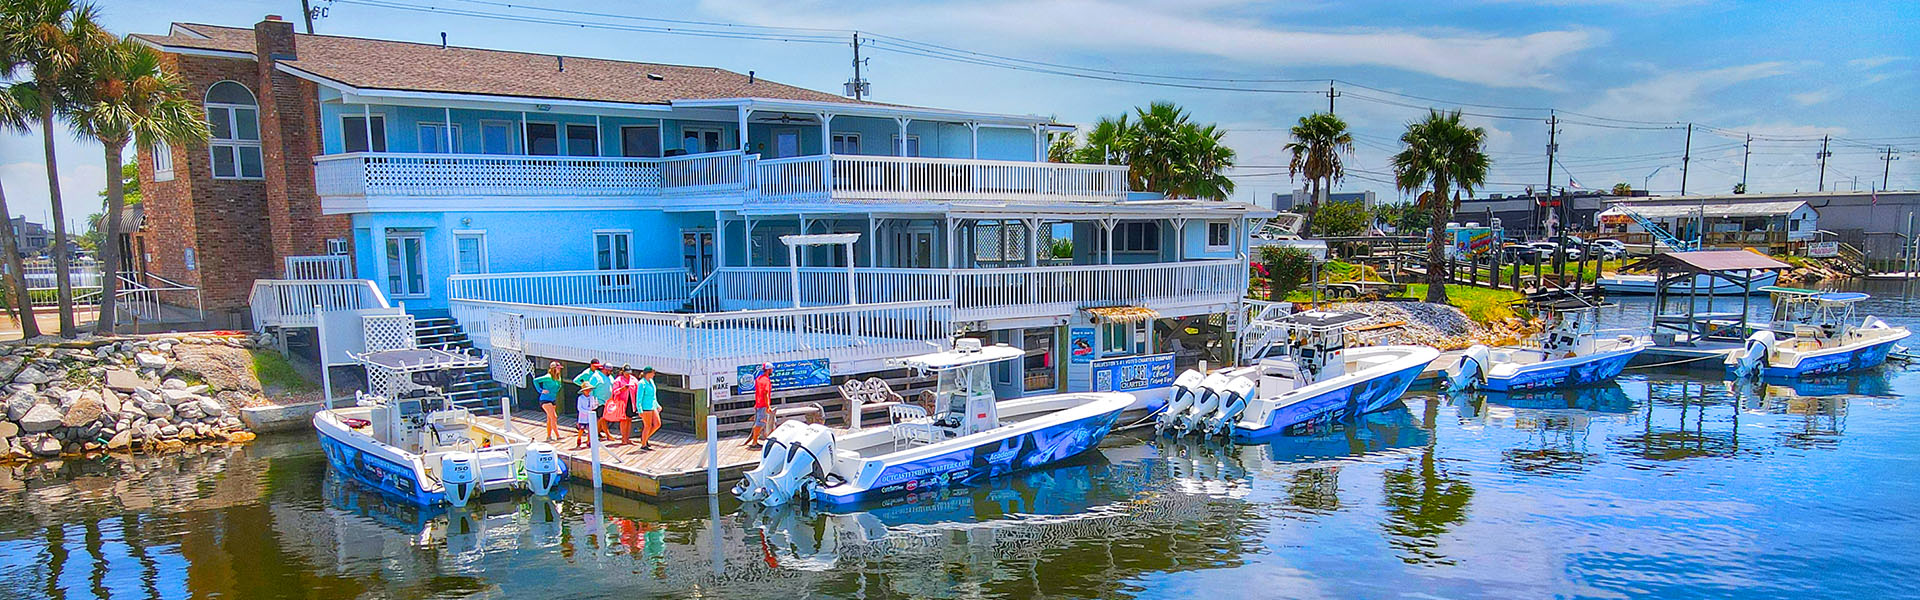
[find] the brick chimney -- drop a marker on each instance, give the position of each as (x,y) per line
(289,139)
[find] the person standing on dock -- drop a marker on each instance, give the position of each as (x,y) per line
(587,410)
(762,405)
(595,378)
(549,387)
(620,409)
(647,399)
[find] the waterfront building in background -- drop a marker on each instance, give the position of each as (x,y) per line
(31,237)
(691,218)
(1874,222)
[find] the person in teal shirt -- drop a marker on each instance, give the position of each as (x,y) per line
(595,377)
(549,387)
(647,400)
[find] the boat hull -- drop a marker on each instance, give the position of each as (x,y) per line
(1645,285)
(378,468)
(1361,397)
(1839,360)
(1600,367)
(994,455)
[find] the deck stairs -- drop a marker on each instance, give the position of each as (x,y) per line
(1259,333)
(1660,234)
(471,388)
(1851,260)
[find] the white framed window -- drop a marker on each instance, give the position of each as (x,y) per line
(696,140)
(234,118)
(1122,338)
(162,161)
(543,139)
(406,264)
(613,251)
(640,141)
(912,148)
(439,137)
(846,143)
(1219,236)
(496,137)
(338,247)
(469,252)
(1137,236)
(583,140)
(358,138)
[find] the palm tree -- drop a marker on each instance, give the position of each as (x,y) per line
(47,37)
(1164,150)
(1107,143)
(124,96)
(1202,171)
(1318,142)
(1440,154)
(13,118)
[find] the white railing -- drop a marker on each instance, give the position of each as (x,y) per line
(363,174)
(1038,291)
(754,288)
(81,273)
(913,178)
(146,297)
(292,303)
(716,342)
(337,266)
(796,179)
(628,289)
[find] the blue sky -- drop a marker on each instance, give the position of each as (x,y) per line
(1786,72)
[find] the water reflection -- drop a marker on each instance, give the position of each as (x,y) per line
(1558,424)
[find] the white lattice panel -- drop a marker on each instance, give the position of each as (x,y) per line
(389,332)
(509,367)
(506,331)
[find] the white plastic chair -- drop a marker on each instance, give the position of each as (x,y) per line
(911,426)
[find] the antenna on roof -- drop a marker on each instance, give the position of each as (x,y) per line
(443,40)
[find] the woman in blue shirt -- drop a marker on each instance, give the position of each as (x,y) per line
(646,399)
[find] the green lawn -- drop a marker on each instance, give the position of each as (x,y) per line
(277,375)
(1480,304)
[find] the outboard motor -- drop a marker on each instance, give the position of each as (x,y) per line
(1239,392)
(459,476)
(755,484)
(1470,371)
(808,457)
(1209,403)
(1754,356)
(543,468)
(1186,388)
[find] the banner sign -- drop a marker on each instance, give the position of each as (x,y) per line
(1133,373)
(1080,345)
(789,375)
(1823,249)
(1472,241)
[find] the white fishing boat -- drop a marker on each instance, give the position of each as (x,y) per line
(972,436)
(1303,373)
(410,443)
(1569,352)
(1814,333)
(1702,283)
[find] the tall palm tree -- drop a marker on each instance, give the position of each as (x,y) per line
(124,96)
(47,38)
(13,118)
(1440,155)
(1107,143)
(1202,171)
(1318,141)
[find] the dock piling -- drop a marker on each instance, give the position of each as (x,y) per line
(713,454)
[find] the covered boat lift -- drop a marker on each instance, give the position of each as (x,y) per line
(1688,333)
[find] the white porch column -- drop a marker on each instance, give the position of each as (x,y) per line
(826,132)
(366,118)
(853,294)
(596,136)
(973,133)
(1179,239)
(449,131)
(742,113)
(803,231)
(1039,143)
(719,240)
(793,274)
(1033,241)
(525,149)
(746,238)
(1108,225)
(900,146)
(873,244)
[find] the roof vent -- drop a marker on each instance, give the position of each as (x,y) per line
(443,40)
(273,17)
(656,77)
(749,77)
(561,62)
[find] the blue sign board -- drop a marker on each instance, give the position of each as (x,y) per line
(792,374)
(1133,373)
(1080,345)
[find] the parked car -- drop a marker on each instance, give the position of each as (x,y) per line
(1547,249)
(1613,248)
(1515,252)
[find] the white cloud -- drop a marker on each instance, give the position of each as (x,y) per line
(1811,97)
(1676,94)
(1874,62)
(1132,29)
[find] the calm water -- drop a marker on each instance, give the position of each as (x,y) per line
(1665,486)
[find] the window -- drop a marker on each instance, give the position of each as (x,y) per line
(496,137)
(1122,338)
(846,143)
(543,139)
(696,253)
(234,118)
(469,252)
(354,130)
(439,138)
(697,140)
(163,161)
(583,140)
(612,251)
(912,149)
(1134,237)
(337,247)
(1219,236)
(640,140)
(786,142)
(406,269)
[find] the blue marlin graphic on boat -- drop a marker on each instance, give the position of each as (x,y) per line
(1813,333)
(1568,352)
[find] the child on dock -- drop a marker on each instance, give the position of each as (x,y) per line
(587,406)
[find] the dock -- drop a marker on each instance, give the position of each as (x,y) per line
(675,467)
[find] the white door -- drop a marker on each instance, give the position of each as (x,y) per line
(406,269)
(696,253)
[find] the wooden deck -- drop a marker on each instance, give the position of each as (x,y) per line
(674,468)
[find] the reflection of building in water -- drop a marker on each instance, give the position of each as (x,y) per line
(1676,424)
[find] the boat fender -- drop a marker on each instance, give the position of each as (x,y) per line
(458,478)
(543,469)
(1471,369)
(1185,389)
(1754,356)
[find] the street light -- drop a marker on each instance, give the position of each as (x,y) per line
(1649,178)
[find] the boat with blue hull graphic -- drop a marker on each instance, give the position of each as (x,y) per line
(1814,333)
(974,436)
(1569,352)
(1302,373)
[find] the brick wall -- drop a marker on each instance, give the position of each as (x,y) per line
(290,138)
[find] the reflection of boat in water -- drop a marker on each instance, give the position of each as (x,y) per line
(1603,399)
(462,530)
(1813,333)
(1569,352)
(1382,431)
(974,438)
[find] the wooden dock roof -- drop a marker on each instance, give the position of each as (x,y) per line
(1711,261)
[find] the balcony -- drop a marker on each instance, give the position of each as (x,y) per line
(371,181)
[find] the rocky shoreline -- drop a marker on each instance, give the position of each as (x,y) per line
(130,394)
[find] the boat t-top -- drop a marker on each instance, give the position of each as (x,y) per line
(1303,372)
(970,435)
(407,441)
(1569,351)
(1813,334)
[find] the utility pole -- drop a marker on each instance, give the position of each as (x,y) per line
(306,11)
(1686,156)
(1886,165)
(1330,96)
(858,87)
(1823,162)
(1744,155)
(1559,208)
